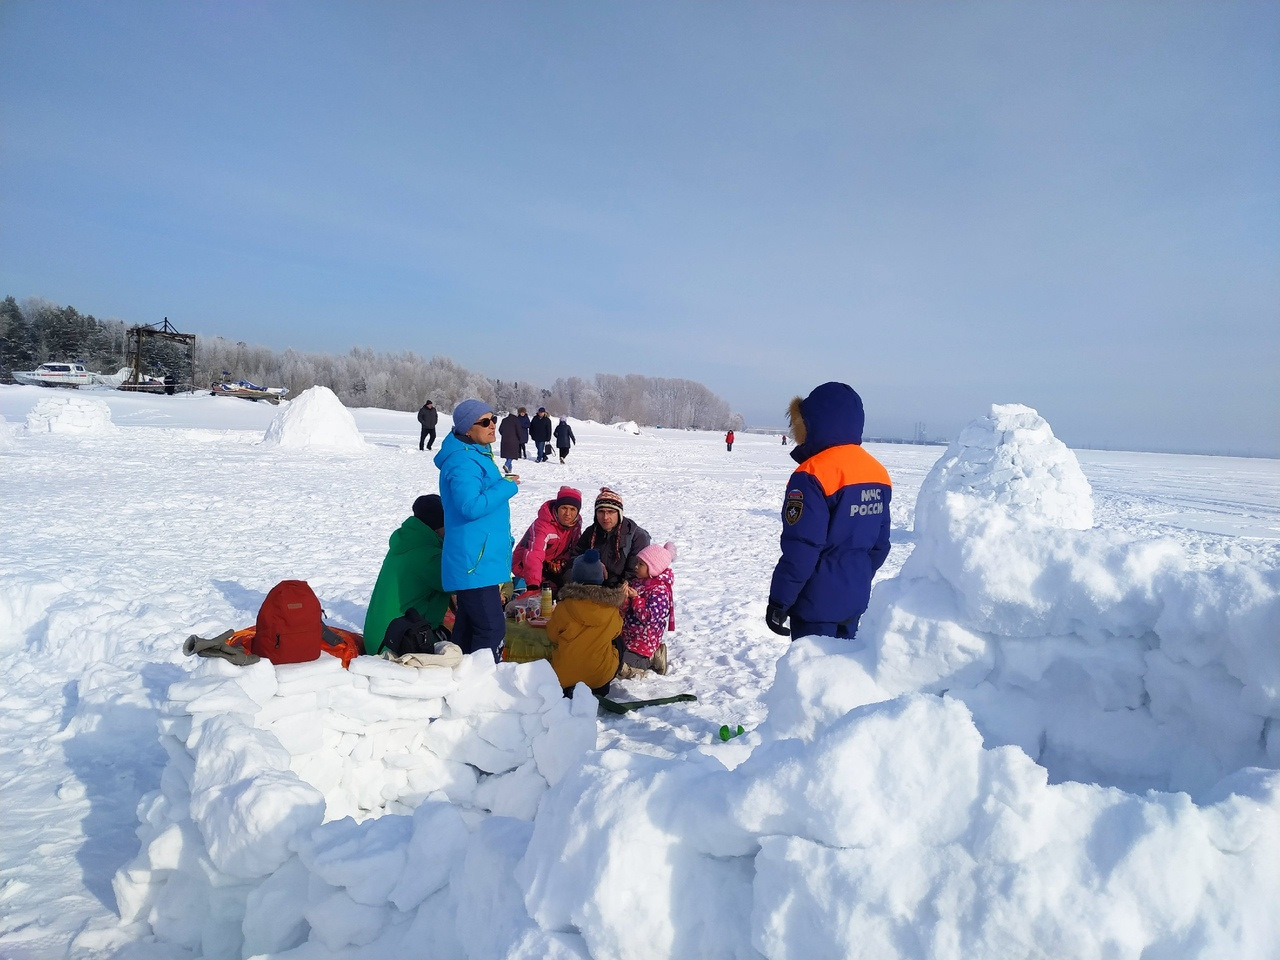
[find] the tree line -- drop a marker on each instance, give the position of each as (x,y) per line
(35,331)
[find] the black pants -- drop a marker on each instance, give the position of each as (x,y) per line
(564,452)
(427,432)
(480,623)
(730,446)
(813,628)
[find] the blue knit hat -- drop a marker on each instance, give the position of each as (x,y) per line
(467,413)
(588,568)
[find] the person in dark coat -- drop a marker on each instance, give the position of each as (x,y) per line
(509,447)
(427,417)
(524,432)
(564,437)
(619,539)
(835,520)
(540,432)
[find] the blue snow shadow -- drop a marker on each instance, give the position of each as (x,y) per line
(118,759)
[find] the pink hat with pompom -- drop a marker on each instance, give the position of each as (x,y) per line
(657,558)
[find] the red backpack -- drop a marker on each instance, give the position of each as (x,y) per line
(289,629)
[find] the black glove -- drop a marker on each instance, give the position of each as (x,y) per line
(775,619)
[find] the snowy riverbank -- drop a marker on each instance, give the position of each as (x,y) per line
(1048,645)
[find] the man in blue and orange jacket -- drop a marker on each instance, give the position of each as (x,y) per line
(835,519)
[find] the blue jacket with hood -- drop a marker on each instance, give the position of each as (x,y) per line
(835,516)
(477,516)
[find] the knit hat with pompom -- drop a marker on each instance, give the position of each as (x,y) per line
(588,568)
(609,500)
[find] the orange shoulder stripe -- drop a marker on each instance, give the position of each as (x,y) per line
(844,466)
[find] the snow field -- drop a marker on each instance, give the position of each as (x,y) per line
(864,811)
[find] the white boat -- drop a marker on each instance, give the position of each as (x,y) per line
(56,375)
(249,391)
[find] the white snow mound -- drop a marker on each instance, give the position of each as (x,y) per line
(317,420)
(1010,459)
(71,414)
(628,426)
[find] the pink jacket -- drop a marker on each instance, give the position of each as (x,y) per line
(546,541)
(651,614)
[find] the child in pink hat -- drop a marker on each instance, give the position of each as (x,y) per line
(650,611)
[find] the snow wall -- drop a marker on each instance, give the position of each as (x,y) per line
(71,414)
(234,858)
(889,807)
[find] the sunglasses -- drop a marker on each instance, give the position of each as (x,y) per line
(486,421)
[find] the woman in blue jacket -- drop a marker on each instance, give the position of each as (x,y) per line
(477,513)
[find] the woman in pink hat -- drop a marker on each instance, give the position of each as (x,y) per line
(650,611)
(542,557)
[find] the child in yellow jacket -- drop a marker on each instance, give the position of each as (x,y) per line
(585,626)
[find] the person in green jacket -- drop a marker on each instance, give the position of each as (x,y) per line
(410,574)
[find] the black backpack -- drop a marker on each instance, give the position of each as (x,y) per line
(412,634)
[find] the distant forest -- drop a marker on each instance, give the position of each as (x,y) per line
(35,331)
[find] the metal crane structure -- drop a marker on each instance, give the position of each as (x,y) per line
(166,333)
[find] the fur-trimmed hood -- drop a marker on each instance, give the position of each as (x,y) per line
(830,416)
(594,592)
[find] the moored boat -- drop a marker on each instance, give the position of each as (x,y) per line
(55,374)
(249,391)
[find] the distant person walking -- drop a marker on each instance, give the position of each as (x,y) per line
(427,417)
(524,432)
(728,441)
(476,557)
(564,438)
(509,448)
(540,431)
(835,520)
(784,439)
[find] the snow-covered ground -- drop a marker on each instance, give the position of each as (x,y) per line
(1057,734)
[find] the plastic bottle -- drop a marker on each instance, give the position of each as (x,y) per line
(545,609)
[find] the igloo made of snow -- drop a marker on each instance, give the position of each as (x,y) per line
(316,419)
(71,414)
(1008,459)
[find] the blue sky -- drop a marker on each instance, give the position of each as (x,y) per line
(1070,205)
